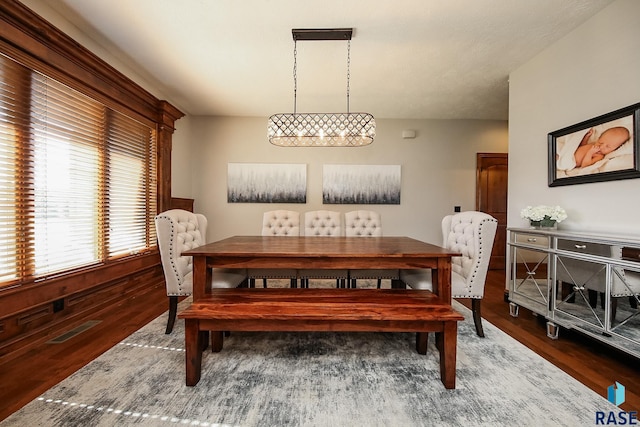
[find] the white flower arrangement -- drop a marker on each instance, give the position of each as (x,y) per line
(541,212)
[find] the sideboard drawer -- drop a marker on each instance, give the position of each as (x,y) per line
(533,240)
(582,247)
(631,254)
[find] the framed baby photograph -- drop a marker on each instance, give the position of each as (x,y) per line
(605,148)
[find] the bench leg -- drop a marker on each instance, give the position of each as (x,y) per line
(449,337)
(422,339)
(193,352)
(217,340)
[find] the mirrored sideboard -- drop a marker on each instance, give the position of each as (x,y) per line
(582,281)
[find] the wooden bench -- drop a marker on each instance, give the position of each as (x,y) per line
(349,310)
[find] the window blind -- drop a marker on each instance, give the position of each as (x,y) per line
(132,185)
(77,179)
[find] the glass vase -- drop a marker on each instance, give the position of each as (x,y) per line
(546,222)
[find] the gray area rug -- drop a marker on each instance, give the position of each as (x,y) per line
(316,379)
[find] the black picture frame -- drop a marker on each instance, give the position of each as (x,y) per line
(620,163)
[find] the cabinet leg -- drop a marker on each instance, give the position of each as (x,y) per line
(514,309)
(552,330)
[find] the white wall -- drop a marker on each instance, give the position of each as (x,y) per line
(592,71)
(438,170)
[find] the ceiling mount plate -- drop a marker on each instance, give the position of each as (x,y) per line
(322,34)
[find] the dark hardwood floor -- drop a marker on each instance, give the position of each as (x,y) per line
(590,362)
(593,364)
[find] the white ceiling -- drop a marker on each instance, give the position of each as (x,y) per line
(411,59)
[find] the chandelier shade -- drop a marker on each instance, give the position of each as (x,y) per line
(321,129)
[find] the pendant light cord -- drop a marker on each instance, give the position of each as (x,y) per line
(295,75)
(348,71)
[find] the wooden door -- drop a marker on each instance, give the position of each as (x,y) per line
(491,197)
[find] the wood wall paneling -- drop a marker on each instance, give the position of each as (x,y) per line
(180,203)
(28,315)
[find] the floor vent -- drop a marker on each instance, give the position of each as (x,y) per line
(73,332)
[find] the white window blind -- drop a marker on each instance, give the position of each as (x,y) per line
(77,179)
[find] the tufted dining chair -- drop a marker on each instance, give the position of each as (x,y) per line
(179,231)
(322,223)
(364,223)
(277,223)
(470,233)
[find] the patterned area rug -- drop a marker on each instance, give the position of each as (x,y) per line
(316,379)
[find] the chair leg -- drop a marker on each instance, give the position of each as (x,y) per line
(379,283)
(593,298)
(264,283)
(173,310)
(477,316)
(601,300)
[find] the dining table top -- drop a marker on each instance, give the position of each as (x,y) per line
(322,252)
(324,246)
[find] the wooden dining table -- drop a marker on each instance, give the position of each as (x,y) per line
(316,252)
(382,310)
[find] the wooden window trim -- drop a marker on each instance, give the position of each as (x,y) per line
(29,39)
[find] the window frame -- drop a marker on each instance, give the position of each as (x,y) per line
(33,42)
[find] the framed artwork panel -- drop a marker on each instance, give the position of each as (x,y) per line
(266,183)
(604,148)
(361,184)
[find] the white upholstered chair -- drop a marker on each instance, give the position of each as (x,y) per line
(179,231)
(322,223)
(364,223)
(277,223)
(471,234)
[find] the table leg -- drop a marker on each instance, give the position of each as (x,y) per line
(398,284)
(422,340)
(442,276)
(193,351)
(448,355)
(201,277)
(217,340)
(204,340)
